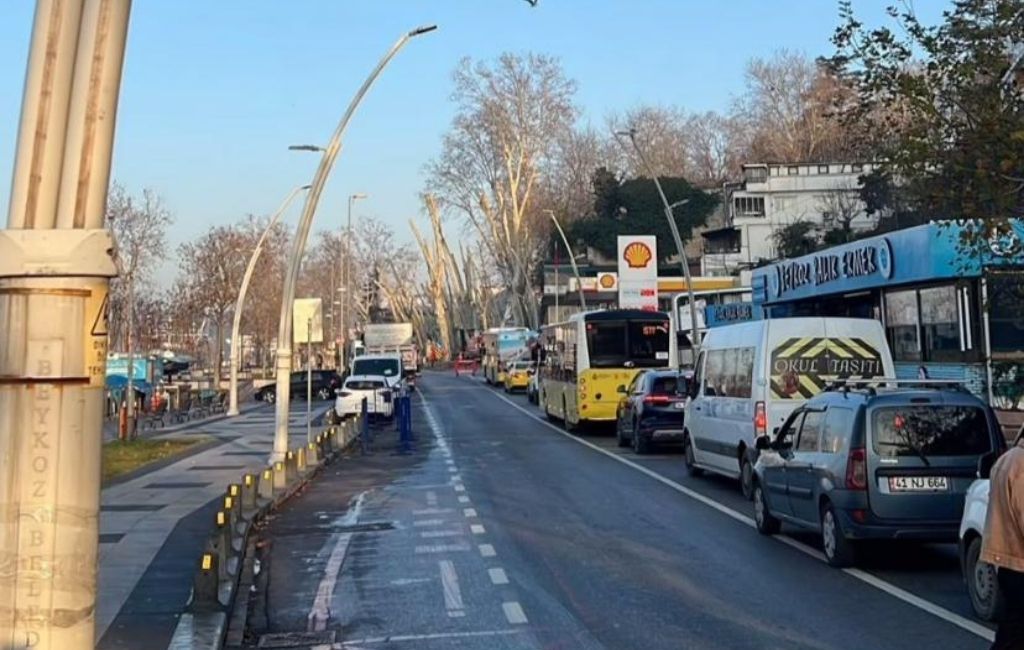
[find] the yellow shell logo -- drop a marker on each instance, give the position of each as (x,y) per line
(637,255)
(607,281)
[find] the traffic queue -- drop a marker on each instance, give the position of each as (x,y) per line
(804,413)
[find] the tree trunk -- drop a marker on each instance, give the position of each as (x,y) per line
(130,384)
(218,354)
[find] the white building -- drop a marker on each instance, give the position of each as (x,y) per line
(772,196)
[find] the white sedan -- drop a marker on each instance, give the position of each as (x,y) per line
(374,389)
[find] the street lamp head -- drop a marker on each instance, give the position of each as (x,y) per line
(422,30)
(305,187)
(358,195)
(305,147)
(678,203)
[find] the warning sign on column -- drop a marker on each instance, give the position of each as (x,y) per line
(96,335)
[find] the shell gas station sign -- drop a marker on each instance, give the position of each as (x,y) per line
(638,272)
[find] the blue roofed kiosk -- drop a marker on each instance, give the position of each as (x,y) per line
(950,311)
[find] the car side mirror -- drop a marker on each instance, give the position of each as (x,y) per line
(763,443)
(985,464)
(621,389)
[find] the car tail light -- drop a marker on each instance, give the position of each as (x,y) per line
(659,400)
(857,470)
(760,419)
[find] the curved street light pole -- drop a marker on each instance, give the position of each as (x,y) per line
(572,260)
(694,330)
(236,324)
(284,330)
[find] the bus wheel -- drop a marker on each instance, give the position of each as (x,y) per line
(569,426)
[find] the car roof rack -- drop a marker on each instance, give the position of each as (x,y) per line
(871,385)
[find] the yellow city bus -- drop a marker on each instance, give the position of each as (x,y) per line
(586,359)
(500,346)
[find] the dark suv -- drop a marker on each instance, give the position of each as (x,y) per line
(650,409)
(892,463)
(324,384)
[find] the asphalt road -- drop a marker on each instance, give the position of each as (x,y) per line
(501,531)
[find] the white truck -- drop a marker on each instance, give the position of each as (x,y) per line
(394,338)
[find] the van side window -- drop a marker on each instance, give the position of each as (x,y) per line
(838,428)
(810,432)
(730,372)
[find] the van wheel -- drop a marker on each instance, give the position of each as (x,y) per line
(270,396)
(839,551)
(690,459)
(746,478)
(766,523)
(986,599)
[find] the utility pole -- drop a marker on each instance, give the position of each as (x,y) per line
(284,330)
(694,330)
(236,323)
(347,300)
(572,259)
(55,267)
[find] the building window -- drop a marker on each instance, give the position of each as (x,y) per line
(939,323)
(755,174)
(822,169)
(748,206)
(792,170)
(901,323)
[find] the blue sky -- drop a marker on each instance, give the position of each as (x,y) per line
(214,92)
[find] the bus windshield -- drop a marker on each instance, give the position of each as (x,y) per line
(628,343)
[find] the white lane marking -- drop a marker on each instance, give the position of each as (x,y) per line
(431,498)
(441,548)
(428,522)
(477,529)
(399,638)
(460,487)
(514,613)
(431,511)
(486,550)
(453,470)
(320,613)
(403,582)
(449,461)
(866,578)
(498,576)
(463,499)
(450,585)
(433,534)
(456,478)
(469,512)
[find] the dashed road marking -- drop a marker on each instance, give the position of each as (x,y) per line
(514,613)
(401,638)
(486,550)
(441,548)
(428,522)
(477,529)
(452,593)
(316,620)
(456,478)
(867,578)
(431,511)
(498,576)
(463,499)
(434,534)
(431,498)
(469,512)
(460,487)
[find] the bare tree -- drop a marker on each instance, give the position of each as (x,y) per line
(789,110)
(839,206)
(713,149)
(139,229)
(661,131)
(509,117)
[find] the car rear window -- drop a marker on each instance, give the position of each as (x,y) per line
(930,431)
(364,385)
(666,386)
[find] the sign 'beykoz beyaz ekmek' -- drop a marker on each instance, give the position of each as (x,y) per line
(855,262)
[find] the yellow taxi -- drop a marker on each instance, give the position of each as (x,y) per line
(517,375)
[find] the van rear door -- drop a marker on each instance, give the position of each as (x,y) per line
(922,457)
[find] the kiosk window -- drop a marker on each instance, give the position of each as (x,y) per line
(901,320)
(1006,312)
(940,324)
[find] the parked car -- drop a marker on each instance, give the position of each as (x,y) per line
(388,366)
(373,388)
(980,577)
(517,375)
(749,378)
(650,410)
(892,463)
(325,382)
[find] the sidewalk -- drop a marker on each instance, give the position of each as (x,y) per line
(153,527)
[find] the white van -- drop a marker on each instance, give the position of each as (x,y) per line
(749,377)
(388,366)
